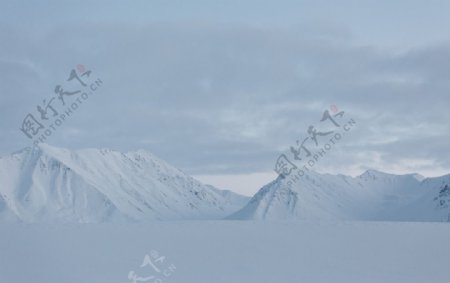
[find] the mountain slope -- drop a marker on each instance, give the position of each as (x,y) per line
(49,184)
(373,195)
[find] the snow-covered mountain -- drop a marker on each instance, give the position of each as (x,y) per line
(373,195)
(49,184)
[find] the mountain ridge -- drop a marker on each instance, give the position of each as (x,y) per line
(49,184)
(371,196)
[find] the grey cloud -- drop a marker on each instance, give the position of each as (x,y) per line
(227,99)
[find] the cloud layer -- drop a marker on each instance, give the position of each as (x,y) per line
(227,98)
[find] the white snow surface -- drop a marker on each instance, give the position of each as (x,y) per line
(55,185)
(227,251)
(373,196)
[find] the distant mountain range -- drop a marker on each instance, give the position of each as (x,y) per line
(372,196)
(55,185)
(49,184)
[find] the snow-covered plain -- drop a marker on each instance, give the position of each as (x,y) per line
(227,251)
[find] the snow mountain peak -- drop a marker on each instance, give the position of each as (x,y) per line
(373,195)
(50,184)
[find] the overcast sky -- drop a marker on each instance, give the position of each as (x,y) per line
(221,88)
